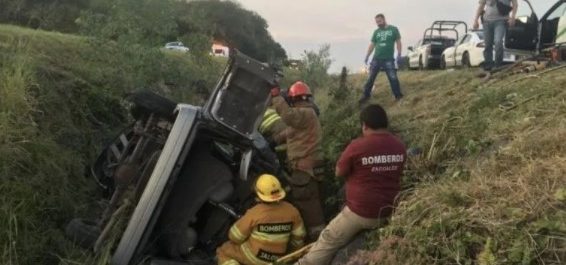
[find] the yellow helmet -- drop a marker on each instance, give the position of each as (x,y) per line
(268,188)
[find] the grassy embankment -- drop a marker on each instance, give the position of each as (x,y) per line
(490,184)
(60,101)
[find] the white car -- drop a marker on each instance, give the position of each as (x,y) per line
(468,51)
(176,46)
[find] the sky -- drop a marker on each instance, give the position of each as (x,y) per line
(347,25)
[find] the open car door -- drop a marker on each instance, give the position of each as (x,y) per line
(553,26)
(242,96)
(533,35)
(523,36)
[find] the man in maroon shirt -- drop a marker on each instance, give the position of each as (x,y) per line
(372,166)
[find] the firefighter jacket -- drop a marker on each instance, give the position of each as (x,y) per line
(266,230)
(273,128)
(303,134)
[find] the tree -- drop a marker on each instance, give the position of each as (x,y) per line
(227,22)
(315,66)
(145,22)
(57,15)
(151,22)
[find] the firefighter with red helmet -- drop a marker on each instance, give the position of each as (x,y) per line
(304,154)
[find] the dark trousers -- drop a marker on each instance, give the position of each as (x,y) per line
(494,33)
(388,66)
(305,195)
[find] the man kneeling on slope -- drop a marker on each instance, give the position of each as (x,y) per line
(262,235)
(372,166)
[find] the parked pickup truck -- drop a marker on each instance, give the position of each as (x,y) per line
(428,51)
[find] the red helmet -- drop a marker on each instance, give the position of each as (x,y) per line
(299,89)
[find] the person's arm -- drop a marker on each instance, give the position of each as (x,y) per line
(341,172)
(369,52)
(479,11)
(293,117)
(281,137)
(298,234)
(242,229)
(399,44)
(345,163)
(513,16)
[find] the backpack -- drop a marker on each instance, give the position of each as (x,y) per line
(503,8)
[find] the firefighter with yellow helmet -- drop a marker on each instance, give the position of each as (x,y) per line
(263,234)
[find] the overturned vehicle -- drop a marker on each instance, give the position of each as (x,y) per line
(185,172)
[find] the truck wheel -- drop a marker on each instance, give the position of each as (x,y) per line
(83,232)
(466,60)
(442,62)
(146,102)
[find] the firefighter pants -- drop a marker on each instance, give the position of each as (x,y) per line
(343,228)
(231,254)
(305,195)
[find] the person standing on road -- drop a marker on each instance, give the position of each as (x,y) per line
(495,17)
(372,166)
(304,154)
(383,42)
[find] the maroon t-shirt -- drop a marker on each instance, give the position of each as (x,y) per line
(373,166)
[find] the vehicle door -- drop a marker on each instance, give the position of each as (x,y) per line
(462,47)
(553,26)
(423,51)
(413,55)
(524,35)
(450,53)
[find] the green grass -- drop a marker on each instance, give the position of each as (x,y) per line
(489,187)
(486,174)
(60,101)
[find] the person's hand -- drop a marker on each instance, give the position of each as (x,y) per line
(511,22)
(476,25)
(366,60)
(275,91)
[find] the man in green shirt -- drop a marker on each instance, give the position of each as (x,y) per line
(383,43)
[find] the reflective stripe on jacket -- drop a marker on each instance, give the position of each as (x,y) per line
(266,230)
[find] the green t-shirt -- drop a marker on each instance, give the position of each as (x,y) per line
(384,40)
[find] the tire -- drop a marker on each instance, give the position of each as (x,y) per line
(442,62)
(421,65)
(102,169)
(466,60)
(83,232)
(146,102)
